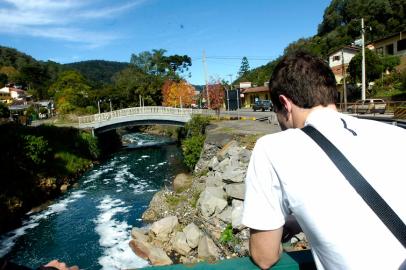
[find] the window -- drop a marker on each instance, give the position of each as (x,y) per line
(389,49)
(402,45)
(336,58)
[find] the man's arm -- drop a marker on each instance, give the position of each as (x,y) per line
(265,247)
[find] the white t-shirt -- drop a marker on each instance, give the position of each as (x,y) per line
(289,173)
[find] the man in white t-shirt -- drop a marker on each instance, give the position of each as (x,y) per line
(289,173)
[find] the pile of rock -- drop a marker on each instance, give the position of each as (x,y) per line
(191,231)
(167,237)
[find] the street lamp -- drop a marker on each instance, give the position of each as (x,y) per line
(231,87)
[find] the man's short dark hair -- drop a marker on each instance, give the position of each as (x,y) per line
(305,79)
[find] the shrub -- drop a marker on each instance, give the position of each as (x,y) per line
(4,111)
(90,143)
(36,149)
(197,125)
(192,148)
(227,235)
(72,163)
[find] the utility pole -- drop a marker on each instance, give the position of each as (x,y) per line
(363,58)
(344,82)
(231,88)
(205,78)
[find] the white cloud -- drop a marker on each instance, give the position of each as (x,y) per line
(61,19)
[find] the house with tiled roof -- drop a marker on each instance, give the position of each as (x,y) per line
(340,59)
(252,94)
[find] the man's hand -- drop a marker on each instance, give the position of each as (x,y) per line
(265,247)
(60,265)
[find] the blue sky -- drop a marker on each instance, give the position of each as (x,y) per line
(76,30)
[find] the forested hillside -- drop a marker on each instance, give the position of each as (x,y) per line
(98,72)
(341,25)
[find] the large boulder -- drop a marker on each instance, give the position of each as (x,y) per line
(245,155)
(214,181)
(236,214)
(193,235)
(163,227)
(139,234)
(224,152)
(181,182)
(236,175)
(145,250)
(180,244)
(211,201)
(207,250)
(236,191)
(213,163)
(226,215)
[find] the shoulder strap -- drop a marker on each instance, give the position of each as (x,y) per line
(363,188)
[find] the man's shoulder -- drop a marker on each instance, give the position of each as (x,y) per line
(280,139)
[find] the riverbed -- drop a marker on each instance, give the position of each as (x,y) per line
(90,225)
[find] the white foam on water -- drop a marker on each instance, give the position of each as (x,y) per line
(145,156)
(115,236)
(8,240)
(162,163)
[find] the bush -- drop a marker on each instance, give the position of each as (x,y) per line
(90,143)
(4,111)
(197,125)
(36,149)
(192,147)
(72,163)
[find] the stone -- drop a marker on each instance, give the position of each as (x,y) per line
(236,191)
(213,163)
(217,192)
(181,182)
(245,155)
(145,250)
(236,214)
(207,250)
(210,204)
(225,215)
(214,181)
(220,140)
(163,227)
(180,244)
(224,152)
(235,175)
(223,165)
(139,234)
(193,235)
(64,188)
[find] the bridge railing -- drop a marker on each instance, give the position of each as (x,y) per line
(154,110)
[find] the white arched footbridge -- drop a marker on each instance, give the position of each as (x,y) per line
(137,116)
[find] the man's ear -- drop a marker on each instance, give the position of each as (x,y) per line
(286,103)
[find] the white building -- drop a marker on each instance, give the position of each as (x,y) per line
(340,59)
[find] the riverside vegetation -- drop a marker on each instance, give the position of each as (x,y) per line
(39,163)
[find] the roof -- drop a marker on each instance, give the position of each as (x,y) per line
(347,48)
(255,89)
(400,34)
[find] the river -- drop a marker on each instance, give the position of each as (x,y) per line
(90,225)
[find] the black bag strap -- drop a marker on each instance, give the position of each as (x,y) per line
(363,188)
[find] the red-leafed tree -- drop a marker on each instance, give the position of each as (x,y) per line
(177,94)
(216,96)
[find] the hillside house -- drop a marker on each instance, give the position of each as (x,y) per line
(391,45)
(340,59)
(14,93)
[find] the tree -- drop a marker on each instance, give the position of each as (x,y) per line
(71,92)
(245,66)
(216,95)
(4,111)
(177,94)
(373,67)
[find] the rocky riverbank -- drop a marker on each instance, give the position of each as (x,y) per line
(200,217)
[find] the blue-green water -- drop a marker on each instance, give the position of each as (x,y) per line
(90,225)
